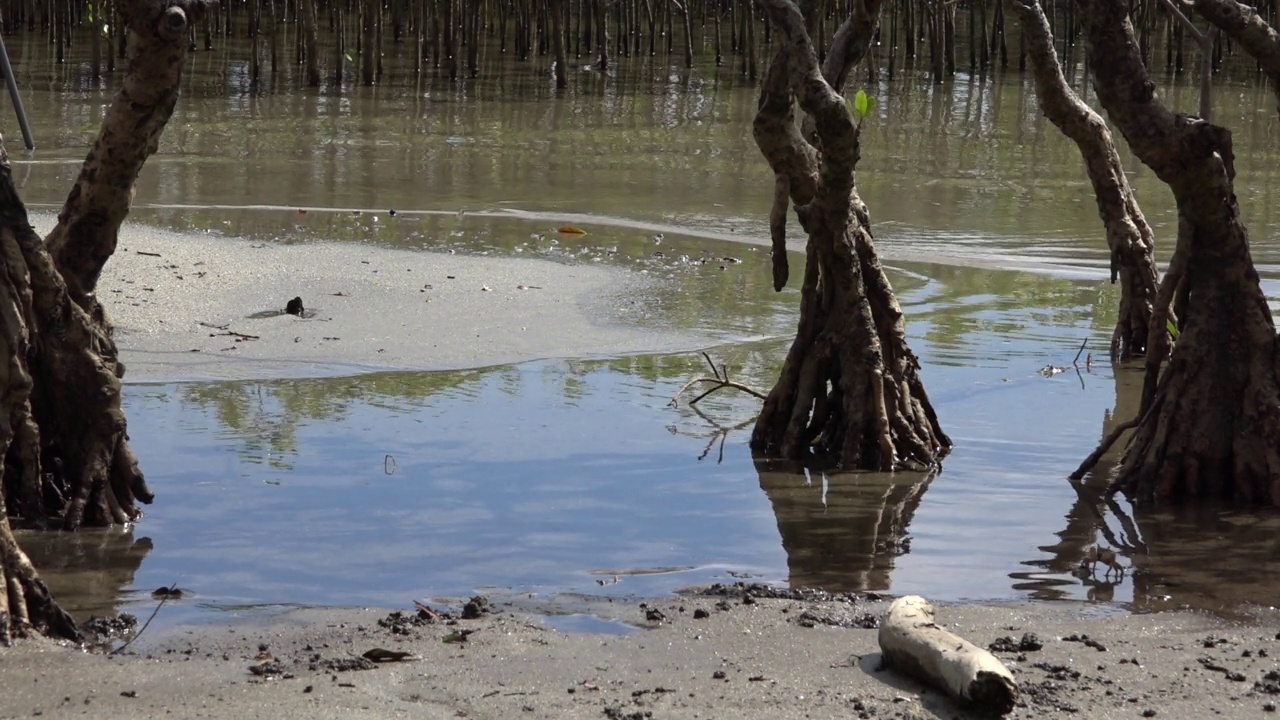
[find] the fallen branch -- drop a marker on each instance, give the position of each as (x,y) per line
(912,642)
(720,377)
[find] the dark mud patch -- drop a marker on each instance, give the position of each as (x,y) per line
(837,616)
(1029,642)
(771,592)
(399,622)
(345,664)
(99,630)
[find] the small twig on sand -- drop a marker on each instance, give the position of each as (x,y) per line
(228,333)
(720,378)
(163,599)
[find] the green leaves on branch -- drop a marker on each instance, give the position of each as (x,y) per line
(861,105)
(1173,329)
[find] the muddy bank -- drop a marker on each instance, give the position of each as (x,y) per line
(198,307)
(704,656)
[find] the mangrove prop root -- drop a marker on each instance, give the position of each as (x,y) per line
(849,389)
(66,453)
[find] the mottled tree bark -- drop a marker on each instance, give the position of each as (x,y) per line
(62,429)
(849,391)
(1211,426)
(1129,237)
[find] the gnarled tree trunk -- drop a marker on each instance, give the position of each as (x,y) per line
(62,430)
(1211,424)
(1128,234)
(850,390)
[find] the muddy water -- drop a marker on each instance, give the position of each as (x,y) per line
(565,477)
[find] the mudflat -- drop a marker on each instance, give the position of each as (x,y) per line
(706,656)
(196,307)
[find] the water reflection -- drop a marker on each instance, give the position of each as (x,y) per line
(842,531)
(1205,556)
(90,572)
(538,478)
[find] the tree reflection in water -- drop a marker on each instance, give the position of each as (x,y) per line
(88,570)
(1205,556)
(841,531)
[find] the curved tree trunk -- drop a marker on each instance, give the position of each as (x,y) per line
(1211,427)
(1129,237)
(62,429)
(849,390)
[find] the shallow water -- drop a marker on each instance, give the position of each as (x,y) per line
(574,476)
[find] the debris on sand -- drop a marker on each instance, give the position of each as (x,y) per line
(476,607)
(1030,642)
(836,616)
(100,629)
(346,664)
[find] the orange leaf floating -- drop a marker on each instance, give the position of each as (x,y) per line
(570,230)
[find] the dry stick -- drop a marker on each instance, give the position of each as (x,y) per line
(721,380)
(1075,362)
(165,598)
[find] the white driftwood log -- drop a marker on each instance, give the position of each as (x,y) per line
(914,644)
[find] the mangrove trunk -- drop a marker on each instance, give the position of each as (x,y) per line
(850,391)
(62,429)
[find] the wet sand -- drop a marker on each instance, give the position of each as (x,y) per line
(772,658)
(192,307)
